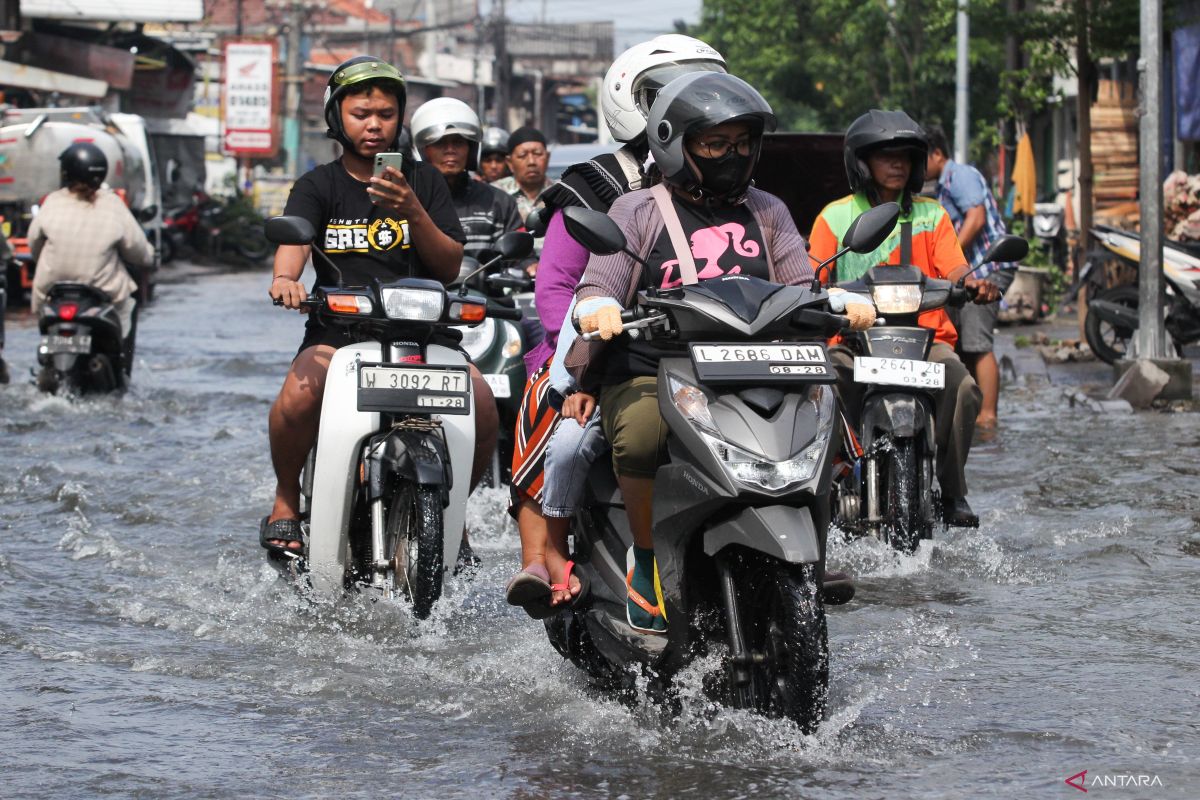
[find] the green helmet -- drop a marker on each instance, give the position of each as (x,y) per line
(357,70)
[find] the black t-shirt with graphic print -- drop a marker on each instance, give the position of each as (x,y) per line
(364,240)
(724,241)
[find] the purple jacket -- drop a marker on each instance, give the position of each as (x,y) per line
(562,264)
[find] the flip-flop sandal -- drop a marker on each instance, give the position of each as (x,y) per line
(530,589)
(565,586)
(650,608)
(286,530)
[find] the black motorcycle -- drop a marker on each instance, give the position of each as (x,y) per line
(888,489)
(81,349)
(742,509)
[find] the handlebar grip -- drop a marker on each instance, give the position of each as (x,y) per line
(500,312)
(828,323)
(959,295)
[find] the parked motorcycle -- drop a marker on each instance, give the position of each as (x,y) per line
(1051,233)
(206,225)
(81,349)
(742,509)
(1112,314)
(888,489)
(497,347)
(385,489)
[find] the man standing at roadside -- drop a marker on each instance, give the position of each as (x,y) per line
(965,195)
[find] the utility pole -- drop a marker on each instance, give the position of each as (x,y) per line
(295,80)
(962,95)
(501,71)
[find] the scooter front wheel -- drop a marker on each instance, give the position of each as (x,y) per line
(414,541)
(1108,341)
(787,638)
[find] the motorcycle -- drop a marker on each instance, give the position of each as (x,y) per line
(742,508)
(887,489)
(384,491)
(81,347)
(205,225)
(497,347)
(1112,314)
(1051,233)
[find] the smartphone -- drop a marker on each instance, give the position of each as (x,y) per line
(384,160)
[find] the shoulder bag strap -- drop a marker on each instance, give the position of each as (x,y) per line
(679,239)
(906,243)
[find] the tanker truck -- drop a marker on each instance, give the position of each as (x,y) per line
(31,140)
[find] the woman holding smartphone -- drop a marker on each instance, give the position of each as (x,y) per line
(399,223)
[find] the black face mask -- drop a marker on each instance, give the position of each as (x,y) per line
(723,175)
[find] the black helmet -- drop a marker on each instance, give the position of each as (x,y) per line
(695,101)
(878,129)
(495,140)
(357,70)
(85,163)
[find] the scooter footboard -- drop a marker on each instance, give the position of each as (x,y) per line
(783,532)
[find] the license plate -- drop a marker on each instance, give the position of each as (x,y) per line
(54,344)
(500,385)
(800,362)
(413,389)
(900,372)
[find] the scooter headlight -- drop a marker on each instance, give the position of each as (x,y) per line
(896,298)
(754,470)
(419,305)
(512,341)
(478,340)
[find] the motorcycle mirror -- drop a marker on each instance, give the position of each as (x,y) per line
(1007,248)
(289,230)
(866,232)
(595,231)
(148,213)
(869,229)
(538,221)
(515,244)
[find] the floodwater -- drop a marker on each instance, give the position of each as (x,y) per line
(146,649)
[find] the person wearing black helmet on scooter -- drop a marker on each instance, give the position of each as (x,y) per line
(705,131)
(885,155)
(399,224)
(493,155)
(85,233)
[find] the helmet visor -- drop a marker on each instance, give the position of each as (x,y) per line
(366,71)
(647,85)
(427,136)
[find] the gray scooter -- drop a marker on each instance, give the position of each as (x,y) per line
(742,508)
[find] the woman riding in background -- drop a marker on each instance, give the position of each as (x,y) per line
(705,132)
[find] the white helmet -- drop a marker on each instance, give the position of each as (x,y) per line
(636,75)
(445,116)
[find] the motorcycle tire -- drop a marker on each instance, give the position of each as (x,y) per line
(166,250)
(252,244)
(1108,341)
(905,520)
(414,541)
(784,618)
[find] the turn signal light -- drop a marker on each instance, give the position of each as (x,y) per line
(468,312)
(349,303)
(67,311)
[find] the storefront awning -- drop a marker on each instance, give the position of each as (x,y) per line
(115,10)
(36,78)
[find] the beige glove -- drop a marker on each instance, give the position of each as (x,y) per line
(859,310)
(606,320)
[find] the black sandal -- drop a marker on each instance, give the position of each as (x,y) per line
(285,530)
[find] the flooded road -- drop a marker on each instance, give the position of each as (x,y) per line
(146,650)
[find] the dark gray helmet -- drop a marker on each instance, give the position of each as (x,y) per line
(83,162)
(878,129)
(693,102)
(495,140)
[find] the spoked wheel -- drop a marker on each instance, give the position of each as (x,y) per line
(414,539)
(1108,341)
(786,637)
(906,517)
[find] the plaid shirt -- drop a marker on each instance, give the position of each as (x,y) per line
(960,189)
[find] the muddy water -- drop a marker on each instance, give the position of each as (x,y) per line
(146,650)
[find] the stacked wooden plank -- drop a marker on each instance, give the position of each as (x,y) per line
(1115,153)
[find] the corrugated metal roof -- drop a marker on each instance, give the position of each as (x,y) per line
(115,10)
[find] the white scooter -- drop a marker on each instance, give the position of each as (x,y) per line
(385,489)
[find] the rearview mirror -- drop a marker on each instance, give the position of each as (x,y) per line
(538,221)
(869,229)
(1007,248)
(595,231)
(289,230)
(148,213)
(515,244)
